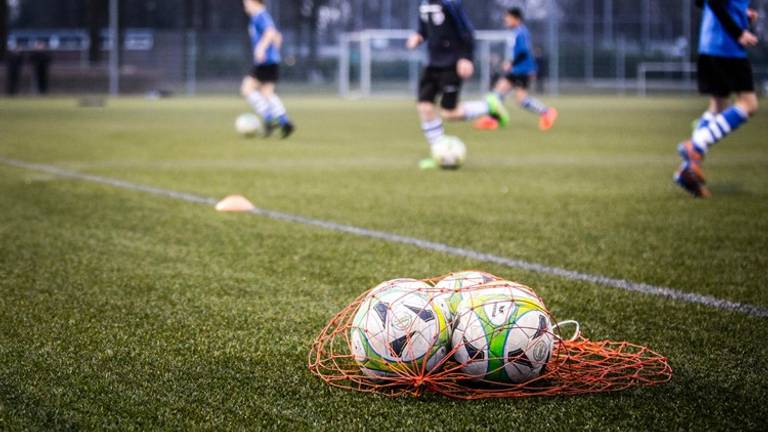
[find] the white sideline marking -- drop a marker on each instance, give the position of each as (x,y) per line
(626,285)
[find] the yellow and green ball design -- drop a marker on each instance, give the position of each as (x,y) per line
(502,337)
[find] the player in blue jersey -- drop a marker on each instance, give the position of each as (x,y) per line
(450,38)
(519,70)
(724,71)
(258,87)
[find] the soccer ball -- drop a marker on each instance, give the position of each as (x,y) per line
(495,286)
(449,152)
(398,331)
(405,284)
(248,125)
(448,289)
(502,335)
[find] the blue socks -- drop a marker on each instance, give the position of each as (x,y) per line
(718,127)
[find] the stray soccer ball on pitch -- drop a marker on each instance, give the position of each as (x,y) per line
(248,125)
(449,152)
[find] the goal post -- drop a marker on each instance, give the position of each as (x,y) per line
(647,68)
(367,49)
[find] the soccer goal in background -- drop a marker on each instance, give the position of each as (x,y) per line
(661,77)
(665,76)
(376,62)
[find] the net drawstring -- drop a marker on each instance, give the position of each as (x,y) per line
(576,333)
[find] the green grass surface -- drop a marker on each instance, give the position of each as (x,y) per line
(129,311)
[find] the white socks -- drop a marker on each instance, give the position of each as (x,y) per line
(258,103)
(433,130)
(475,109)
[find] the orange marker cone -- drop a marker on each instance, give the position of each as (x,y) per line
(235,204)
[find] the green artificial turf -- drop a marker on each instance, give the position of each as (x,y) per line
(124,310)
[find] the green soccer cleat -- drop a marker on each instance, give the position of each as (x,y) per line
(427,164)
(497,109)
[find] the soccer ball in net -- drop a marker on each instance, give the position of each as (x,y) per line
(248,125)
(449,152)
(502,335)
(449,289)
(399,331)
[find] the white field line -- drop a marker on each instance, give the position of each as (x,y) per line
(605,281)
(393,162)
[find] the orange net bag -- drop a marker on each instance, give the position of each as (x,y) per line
(470,335)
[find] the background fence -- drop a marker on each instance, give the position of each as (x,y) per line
(189,46)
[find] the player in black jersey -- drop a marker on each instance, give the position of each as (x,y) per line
(450,38)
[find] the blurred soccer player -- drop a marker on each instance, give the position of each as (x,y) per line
(258,87)
(450,39)
(519,70)
(724,70)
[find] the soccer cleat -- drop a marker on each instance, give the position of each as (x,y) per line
(497,109)
(288,130)
(691,181)
(692,158)
(269,128)
(486,123)
(689,153)
(427,164)
(547,119)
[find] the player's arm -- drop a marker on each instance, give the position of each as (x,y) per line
(465,68)
(521,53)
(418,37)
(466,31)
(270,36)
(743,36)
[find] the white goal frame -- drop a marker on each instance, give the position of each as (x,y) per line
(643,69)
(415,58)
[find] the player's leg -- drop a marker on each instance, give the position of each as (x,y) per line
(492,111)
(250,90)
(451,109)
(502,88)
(747,102)
(449,86)
(547,115)
(266,91)
(718,77)
(278,113)
(731,76)
(431,122)
(716,106)
(429,89)
(431,126)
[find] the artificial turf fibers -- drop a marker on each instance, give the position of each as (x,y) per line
(123,310)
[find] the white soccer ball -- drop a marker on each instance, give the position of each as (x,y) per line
(449,152)
(399,331)
(449,289)
(502,337)
(248,125)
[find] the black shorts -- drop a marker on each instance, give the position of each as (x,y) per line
(269,73)
(518,81)
(440,81)
(722,76)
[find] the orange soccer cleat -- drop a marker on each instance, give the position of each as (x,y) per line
(547,119)
(486,123)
